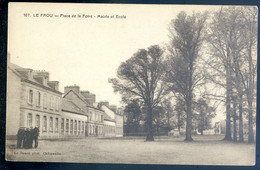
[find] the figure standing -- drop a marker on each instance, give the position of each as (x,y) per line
(20,137)
(35,136)
(26,138)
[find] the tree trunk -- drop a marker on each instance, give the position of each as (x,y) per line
(234,122)
(228,91)
(188,122)
(201,131)
(189,102)
(149,136)
(250,98)
(240,109)
(250,123)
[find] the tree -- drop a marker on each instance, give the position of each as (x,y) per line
(250,16)
(159,115)
(180,110)
(134,115)
(232,39)
(205,114)
(140,78)
(187,35)
(169,114)
(223,36)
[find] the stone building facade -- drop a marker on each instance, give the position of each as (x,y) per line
(95,116)
(32,101)
(35,101)
(113,121)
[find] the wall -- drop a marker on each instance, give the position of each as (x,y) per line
(41,107)
(13,97)
(108,111)
(119,125)
(72,116)
(109,128)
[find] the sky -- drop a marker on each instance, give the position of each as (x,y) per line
(86,51)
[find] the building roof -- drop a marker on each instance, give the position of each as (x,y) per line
(82,98)
(70,106)
(15,68)
(78,95)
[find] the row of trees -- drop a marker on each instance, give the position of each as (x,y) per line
(166,117)
(205,49)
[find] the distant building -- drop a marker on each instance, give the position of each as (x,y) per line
(113,122)
(74,120)
(220,127)
(95,116)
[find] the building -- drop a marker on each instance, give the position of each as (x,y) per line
(73,120)
(85,101)
(32,101)
(113,122)
(35,101)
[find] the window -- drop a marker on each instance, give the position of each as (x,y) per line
(39,99)
(90,116)
(51,124)
(79,127)
(62,125)
(56,124)
(102,118)
(29,120)
(82,129)
(67,125)
(51,102)
(30,96)
(37,121)
(57,103)
(75,127)
(44,100)
(44,129)
(71,126)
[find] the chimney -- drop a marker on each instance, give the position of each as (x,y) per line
(75,88)
(93,98)
(85,94)
(113,107)
(106,103)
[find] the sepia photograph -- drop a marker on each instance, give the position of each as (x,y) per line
(131,83)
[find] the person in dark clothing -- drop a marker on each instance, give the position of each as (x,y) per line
(30,137)
(35,136)
(20,137)
(26,138)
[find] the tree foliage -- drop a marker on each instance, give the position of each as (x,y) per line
(187,36)
(205,113)
(140,78)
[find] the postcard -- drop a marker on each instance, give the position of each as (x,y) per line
(131,83)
